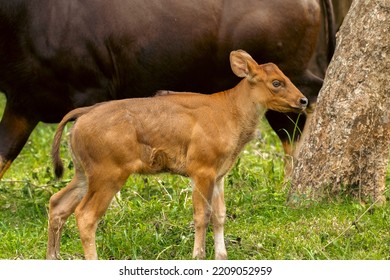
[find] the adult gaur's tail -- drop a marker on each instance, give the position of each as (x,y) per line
(331,28)
(55,150)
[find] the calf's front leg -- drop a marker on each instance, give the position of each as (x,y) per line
(218,219)
(201,199)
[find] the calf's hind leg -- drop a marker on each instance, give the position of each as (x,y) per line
(101,189)
(61,206)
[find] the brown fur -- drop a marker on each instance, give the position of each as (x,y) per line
(190,134)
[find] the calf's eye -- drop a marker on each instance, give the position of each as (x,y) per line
(276,83)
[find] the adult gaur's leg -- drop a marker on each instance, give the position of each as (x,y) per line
(15,128)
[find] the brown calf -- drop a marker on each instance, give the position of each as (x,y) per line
(190,134)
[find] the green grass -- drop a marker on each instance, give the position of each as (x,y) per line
(153,218)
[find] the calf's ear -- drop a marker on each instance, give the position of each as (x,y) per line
(242,64)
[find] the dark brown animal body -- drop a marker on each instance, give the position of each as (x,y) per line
(59,55)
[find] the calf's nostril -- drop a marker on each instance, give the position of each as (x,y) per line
(303,101)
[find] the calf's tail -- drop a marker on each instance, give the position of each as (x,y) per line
(55,150)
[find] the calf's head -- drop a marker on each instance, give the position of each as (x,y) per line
(270,86)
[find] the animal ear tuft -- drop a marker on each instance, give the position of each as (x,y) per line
(242,63)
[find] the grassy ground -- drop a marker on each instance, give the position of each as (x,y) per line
(153,219)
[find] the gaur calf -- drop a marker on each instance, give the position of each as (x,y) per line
(191,134)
